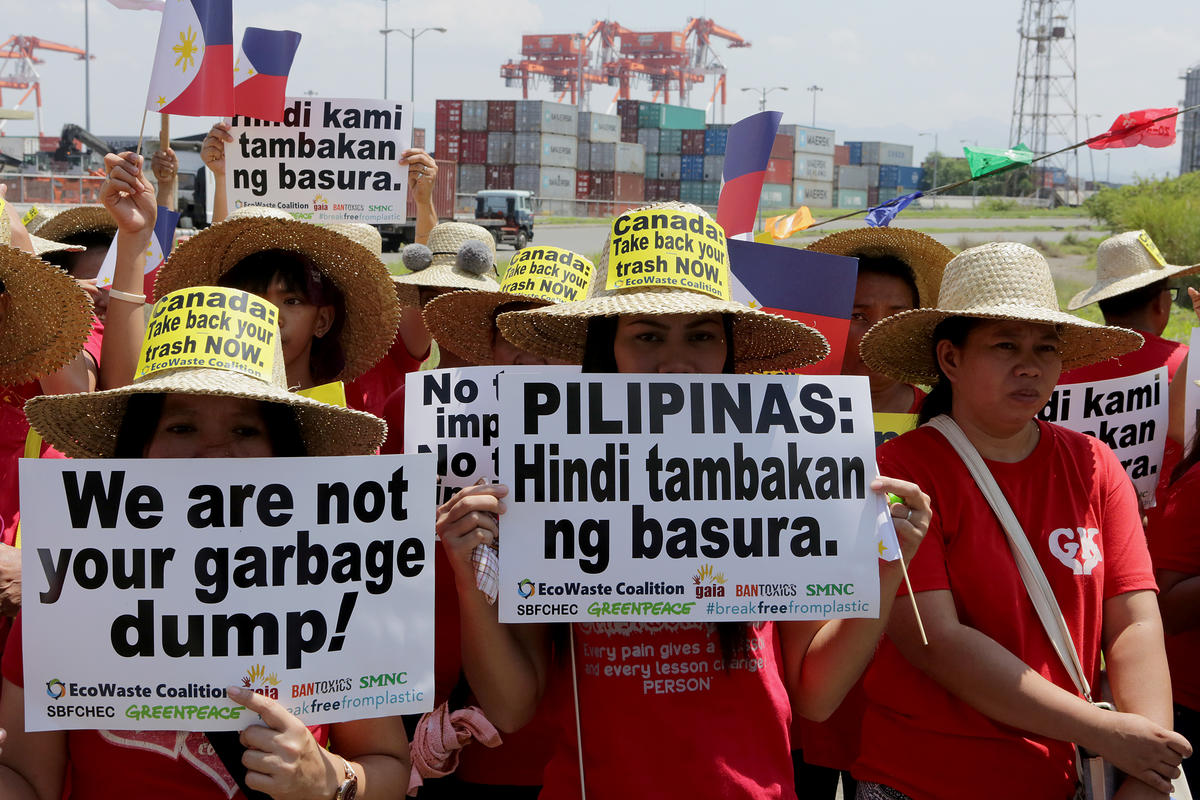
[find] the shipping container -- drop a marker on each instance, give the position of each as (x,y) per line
(809,167)
(691,168)
(712,193)
(855,151)
(651,168)
(714,168)
(691,192)
(668,167)
(542,116)
(472,178)
(595,127)
(670,141)
(445,145)
(872,175)
(888,193)
(583,155)
(629,187)
(448,116)
(444,187)
(779,170)
(900,177)
(662,190)
(810,140)
(775,196)
(850,198)
(813,193)
(617,157)
(418,139)
(636,45)
(887,153)
(873,197)
(599,186)
(473,147)
(629,135)
(715,137)
(783,148)
(545,149)
(499,176)
(680,118)
(853,177)
(628,111)
(841,155)
(501,148)
(649,115)
(583,185)
(475,115)
(558,44)
(693,143)
(547,183)
(502,115)
(649,139)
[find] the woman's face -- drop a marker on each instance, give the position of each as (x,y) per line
(194,426)
(299,320)
(876,296)
(1005,371)
(666,343)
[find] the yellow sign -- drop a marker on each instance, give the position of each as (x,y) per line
(1151,248)
(889,426)
(668,248)
(29,215)
(548,273)
(213,328)
(333,394)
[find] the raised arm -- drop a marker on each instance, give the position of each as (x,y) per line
(213,154)
(32,765)
(165,166)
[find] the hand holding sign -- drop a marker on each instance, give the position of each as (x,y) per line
(467,520)
(282,757)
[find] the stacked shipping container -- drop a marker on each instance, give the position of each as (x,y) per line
(888,170)
(614,168)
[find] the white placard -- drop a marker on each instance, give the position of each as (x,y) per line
(330,160)
(1128,414)
(153,585)
(684,498)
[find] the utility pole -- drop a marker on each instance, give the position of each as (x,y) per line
(814,89)
(763,91)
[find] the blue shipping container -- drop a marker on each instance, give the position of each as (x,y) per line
(855,152)
(691,168)
(894,176)
(714,141)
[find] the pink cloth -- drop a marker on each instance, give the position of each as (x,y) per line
(439,737)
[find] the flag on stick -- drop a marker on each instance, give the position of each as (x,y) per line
(986,161)
(260,73)
(156,252)
(193,65)
(139,5)
(882,215)
(1139,127)
(746,154)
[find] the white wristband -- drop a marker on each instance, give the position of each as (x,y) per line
(128,297)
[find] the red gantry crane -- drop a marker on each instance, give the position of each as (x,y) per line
(17,70)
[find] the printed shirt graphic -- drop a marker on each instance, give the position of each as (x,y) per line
(653,695)
(919,738)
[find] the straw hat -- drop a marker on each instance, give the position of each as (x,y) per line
(922,254)
(998,280)
(372,314)
(761,341)
(86,425)
(459,256)
(43,247)
(62,223)
(49,316)
(1126,262)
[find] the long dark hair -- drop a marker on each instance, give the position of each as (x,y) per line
(1190,458)
(941,396)
(256,272)
(143,412)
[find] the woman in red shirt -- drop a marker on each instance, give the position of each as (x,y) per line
(989,689)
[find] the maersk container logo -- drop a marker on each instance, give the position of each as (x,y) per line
(801,139)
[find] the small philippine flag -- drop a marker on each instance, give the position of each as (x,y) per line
(193,65)
(260,73)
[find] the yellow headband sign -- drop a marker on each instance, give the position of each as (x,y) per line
(548,273)
(668,248)
(1151,248)
(212,328)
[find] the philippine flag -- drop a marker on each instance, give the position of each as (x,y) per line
(814,288)
(193,66)
(746,156)
(156,252)
(261,71)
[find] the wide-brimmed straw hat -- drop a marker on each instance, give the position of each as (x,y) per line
(998,280)
(86,425)
(49,315)
(1126,262)
(57,224)
(925,256)
(372,314)
(459,255)
(761,341)
(463,322)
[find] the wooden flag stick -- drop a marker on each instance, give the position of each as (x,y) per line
(164,132)
(913,599)
(578,727)
(141,133)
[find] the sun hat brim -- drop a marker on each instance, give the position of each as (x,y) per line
(924,255)
(372,313)
(49,317)
(439,276)
(1105,290)
(74,220)
(901,346)
(461,321)
(762,342)
(43,247)
(86,425)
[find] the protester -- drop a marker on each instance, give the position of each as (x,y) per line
(338,309)
(729,741)
(898,269)
(87,226)
(200,412)
(988,707)
(165,167)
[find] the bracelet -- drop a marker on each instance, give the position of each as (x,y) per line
(128,297)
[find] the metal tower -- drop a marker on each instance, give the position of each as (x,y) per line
(1045,114)
(1189,136)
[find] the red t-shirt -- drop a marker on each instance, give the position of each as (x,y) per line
(1156,352)
(181,765)
(1175,546)
(369,391)
(918,400)
(917,736)
(393,415)
(662,717)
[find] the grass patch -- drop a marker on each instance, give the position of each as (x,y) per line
(1179,327)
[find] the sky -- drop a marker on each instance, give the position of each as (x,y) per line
(888,70)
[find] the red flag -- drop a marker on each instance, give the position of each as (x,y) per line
(1138,127)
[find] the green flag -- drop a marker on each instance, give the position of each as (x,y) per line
(986,161)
